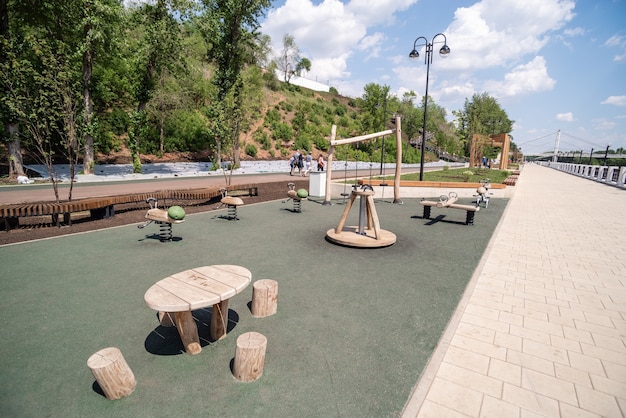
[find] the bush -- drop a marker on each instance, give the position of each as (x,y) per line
(282,131)
(186,131)
(251,150)
(321,143)
(272,116)
(467,175)
(263,139)
(303,142)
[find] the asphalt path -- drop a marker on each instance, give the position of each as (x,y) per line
(25,193)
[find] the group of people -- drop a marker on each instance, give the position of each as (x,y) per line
(304,162)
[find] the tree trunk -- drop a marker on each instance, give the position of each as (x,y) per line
(88,154)
(236,145)
(16,165)
(161,132)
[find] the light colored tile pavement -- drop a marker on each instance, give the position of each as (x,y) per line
(541,329)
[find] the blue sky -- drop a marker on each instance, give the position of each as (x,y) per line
(552,64)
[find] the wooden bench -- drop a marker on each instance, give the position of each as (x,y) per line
(449,202)
(104,207)
(99,207)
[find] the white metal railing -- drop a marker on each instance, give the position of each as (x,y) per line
(613,175)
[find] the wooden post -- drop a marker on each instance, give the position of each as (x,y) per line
(264,298)
(219,320)
(249,356)
(166,319)
(188,331)
(112,373)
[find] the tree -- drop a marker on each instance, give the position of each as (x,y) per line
(42,93)
(373,106)
(262,50)
(39,76)
(165,100)
(482,115)
(100,19)
(7,118)
(289,62)
(230,29)
(158,50)
(303,65)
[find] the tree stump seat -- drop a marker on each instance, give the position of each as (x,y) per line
(249,356)
(112,373)
(264,298)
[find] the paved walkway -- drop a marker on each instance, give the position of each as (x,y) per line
(541,330)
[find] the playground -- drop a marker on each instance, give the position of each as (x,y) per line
(353,330)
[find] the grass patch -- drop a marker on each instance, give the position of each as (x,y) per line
(457,175)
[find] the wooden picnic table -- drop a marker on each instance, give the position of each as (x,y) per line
(179,294)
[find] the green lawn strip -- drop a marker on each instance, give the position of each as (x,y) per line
(452,175)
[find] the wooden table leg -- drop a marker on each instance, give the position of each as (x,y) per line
(219,320)
(188,331)
(166,319)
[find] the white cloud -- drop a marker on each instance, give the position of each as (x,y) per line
(604,125)
(330,32)
(524,79)
(372,44)
(615,100)
(616,40)
(574,32)
(565,117)
(497,33)
(455,93)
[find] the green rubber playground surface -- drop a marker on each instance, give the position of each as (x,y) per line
(353,332)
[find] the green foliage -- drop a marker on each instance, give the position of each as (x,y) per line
(116,121)
(271,117)
(282,132)
(340,110)
(263,138)
(137,168)
(482,115)
(186,130)
(197,79)
(251,150)
(303,142)
(321,143)
(455,175)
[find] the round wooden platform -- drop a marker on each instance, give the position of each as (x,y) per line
(350,238)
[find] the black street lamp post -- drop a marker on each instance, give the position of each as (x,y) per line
(428,58)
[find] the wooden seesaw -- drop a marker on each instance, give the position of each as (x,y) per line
(449,201)
(361,236)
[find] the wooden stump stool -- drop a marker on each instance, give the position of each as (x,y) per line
(112,373)
(249,356)
(264,298)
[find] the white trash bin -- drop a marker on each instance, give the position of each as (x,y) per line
(317,183)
